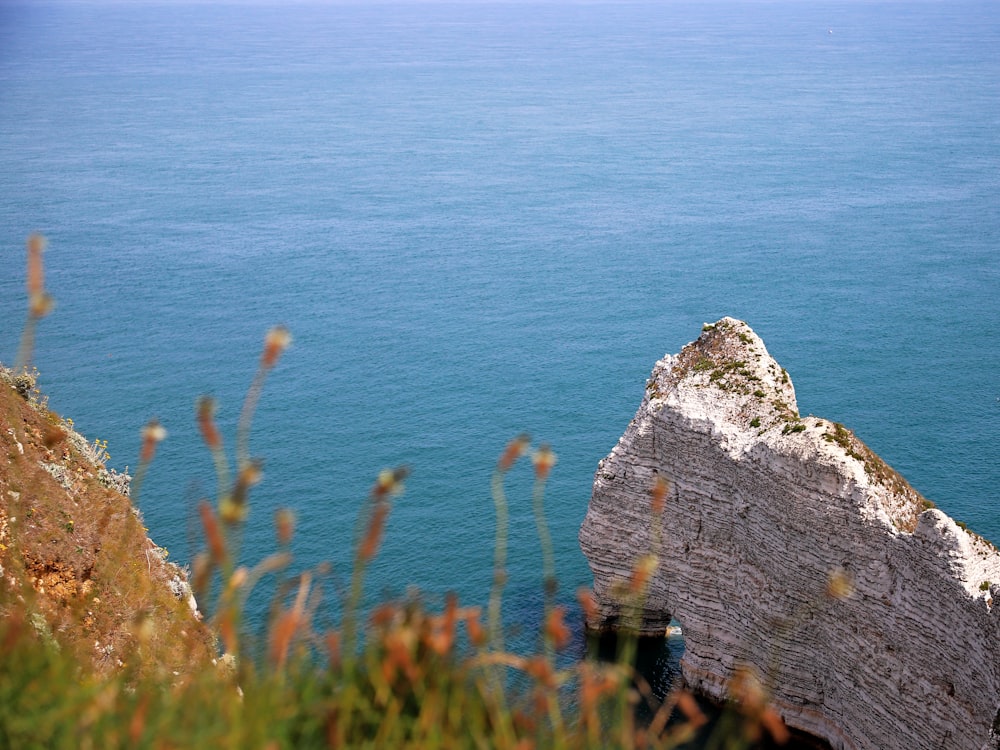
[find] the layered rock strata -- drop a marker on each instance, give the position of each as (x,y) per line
(787,546)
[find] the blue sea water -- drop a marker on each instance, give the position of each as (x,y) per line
(479,219)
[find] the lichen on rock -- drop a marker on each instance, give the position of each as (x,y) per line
(789,547)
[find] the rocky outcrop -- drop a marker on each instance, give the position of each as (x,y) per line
(787,546)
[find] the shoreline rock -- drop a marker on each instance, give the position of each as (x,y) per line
(787,546)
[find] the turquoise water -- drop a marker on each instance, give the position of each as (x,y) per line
(482,219)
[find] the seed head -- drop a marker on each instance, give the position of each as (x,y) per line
(251,473)
(390,482)
(543,459)
(233,508)
(152,435)
(514,450)
(275,342)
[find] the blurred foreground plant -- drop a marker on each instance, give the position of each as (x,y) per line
(399,676)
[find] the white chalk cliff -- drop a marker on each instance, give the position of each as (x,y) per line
(762,507)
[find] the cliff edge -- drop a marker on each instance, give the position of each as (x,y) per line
(76,565)
(787,546)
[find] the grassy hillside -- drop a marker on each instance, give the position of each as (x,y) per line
(74,552)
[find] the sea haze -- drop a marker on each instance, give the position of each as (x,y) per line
(482,219)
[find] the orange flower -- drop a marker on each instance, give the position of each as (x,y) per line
(206,412)
(284,525)
(373,536)
(138,723)
(556,629)
(589,691)
(477,634)
(539,668)
(442,633)
(526,724)
(288,624)
(514,450)
(543,459)
(659,495)
(383,615)
(227,630)
(588,604)
(390,482)
(152,435)
(644,568)
(213,535)
(595,682)
(233,509)
(275,342)
(399,645)
(280,637)
(36,271)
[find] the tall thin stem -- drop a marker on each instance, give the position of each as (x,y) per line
(548,557)
(499,563)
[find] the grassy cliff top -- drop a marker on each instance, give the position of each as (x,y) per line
(74,555)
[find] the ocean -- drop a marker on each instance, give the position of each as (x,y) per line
(481,219)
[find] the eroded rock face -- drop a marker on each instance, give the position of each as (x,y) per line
(762,507)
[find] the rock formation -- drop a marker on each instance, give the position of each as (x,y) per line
(786,546)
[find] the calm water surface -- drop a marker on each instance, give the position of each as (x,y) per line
(484,219)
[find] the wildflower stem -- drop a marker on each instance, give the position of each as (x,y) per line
(276,341)
(350,613)
(499,563)
(152,435)
(136,484)
(39,303)
(497,698)
(371,521)
(210,433)
(548,558)
(27,344)
(246,418)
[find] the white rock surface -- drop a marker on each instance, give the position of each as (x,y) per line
(761,508)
